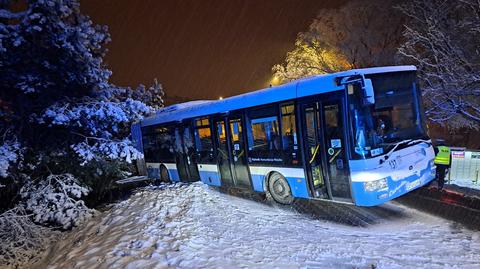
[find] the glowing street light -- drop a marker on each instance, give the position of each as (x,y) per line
(275,81)
(220,98)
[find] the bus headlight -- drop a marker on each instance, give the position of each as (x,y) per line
(376,185)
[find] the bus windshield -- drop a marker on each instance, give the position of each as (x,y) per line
(394,117)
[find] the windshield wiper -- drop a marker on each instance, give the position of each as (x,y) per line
(419,141)
(394,148)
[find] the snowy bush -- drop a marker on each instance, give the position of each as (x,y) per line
(104,149)
(9,154)
(101,127)
(56,200)
(21,240)
(97,118)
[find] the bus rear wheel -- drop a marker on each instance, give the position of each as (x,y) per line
(279,189)
(164,176)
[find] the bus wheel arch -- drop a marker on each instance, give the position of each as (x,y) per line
(278,188)
(165,174)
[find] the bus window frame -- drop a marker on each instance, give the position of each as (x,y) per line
(257,157)
(287,154)
(152,131)
(200,159)
(260,112)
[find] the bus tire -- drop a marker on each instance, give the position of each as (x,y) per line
(279,189)
(164,176)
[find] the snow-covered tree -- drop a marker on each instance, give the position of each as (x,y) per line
(443,39)
(153,96)
(49,51)
(65,128)
(54,92)
(99,128)
(56,102)
(9,155)
(358,34)
(311,56)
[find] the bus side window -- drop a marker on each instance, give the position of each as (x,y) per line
(164,144)
(289,134)
(203,140)
(265,134)
(157,144)
(289,130)
(148,147)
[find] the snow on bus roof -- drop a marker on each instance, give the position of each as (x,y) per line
(181,106)
(295,89)
(374,70)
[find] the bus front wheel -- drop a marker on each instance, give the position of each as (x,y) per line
(279,189)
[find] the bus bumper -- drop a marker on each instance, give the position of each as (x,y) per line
(394,189)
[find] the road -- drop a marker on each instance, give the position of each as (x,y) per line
(195,226)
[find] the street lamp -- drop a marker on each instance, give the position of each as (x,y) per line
(275,81)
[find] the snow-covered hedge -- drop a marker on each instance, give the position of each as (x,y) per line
(56,200)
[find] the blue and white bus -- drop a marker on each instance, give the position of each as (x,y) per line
(356,137)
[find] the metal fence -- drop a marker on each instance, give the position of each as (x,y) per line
(465,168)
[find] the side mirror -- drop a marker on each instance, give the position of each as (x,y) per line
(368,93)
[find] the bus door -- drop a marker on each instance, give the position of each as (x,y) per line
(231,159)
(184,145)
(238,155)
(189,150)
(180,159)
(222,154)
(313,145)
(325,152)
(335,148)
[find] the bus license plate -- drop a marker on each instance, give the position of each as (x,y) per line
(413,184)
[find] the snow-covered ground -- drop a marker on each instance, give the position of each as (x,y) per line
(193,226)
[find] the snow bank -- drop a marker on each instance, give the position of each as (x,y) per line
(193,226)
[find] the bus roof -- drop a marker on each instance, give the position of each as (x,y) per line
(295,89)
